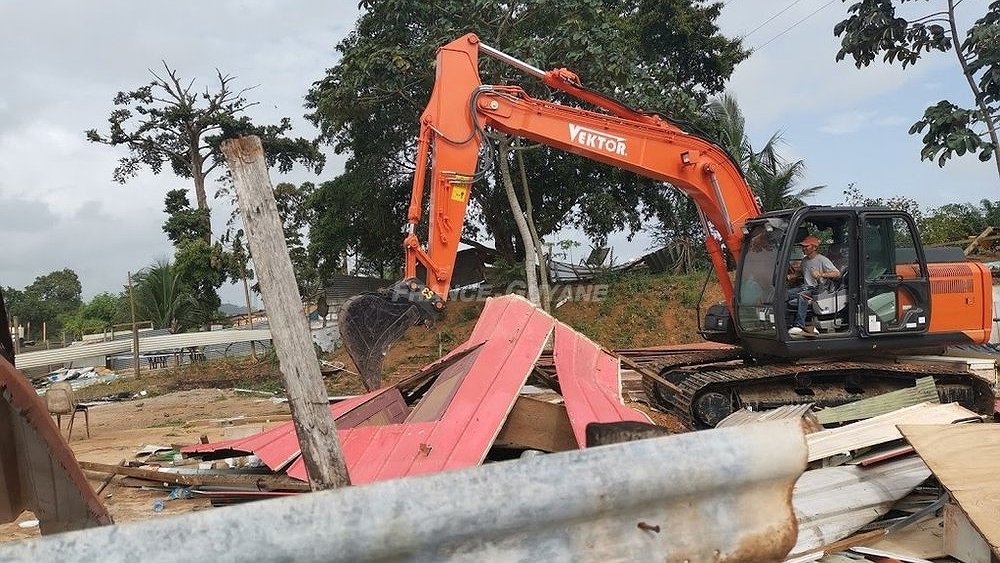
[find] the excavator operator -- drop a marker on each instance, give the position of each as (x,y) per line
(815,268)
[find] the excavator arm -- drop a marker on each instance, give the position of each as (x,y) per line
(452,129)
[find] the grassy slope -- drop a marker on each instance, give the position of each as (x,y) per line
(636,311)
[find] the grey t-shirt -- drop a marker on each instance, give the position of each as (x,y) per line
(819,262)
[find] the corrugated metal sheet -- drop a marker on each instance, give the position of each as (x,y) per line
(151,344)
(279,447)
(881,429)
(509,336)
(717,495)
(923,392)
(38,471)
(790,412)
(511,333)
(590,380)
(834,502)
(342,287)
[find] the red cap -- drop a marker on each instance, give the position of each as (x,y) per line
(809,241)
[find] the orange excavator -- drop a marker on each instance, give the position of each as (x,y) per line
(889,296)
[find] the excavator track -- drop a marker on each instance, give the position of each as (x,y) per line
(702,388)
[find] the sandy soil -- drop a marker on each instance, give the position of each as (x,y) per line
(119,430)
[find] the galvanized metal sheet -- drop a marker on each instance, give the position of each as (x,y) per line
(590,381)
(834,502)
(150,344)
(717,495)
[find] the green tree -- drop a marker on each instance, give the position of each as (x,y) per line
(662,54)
(952,222)
(875,28)
(98,314)
(772,177)
(169,122)
(202,267)
(855,198)
(296,214)
(161,297)
(49,299)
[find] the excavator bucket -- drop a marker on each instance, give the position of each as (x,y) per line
(371,323)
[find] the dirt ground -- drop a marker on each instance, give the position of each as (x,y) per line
(119,430)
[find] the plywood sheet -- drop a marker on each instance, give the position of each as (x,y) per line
(966,459)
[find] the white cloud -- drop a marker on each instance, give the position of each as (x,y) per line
(847,122)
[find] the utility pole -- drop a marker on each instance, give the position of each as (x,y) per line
(246,292)
(135,329)
(307,395)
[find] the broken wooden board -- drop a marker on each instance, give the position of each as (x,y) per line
(923,392)
(881,429)
(509,335)
(924,540)
(538,425)
(833,502)
(256,481)
(38,471)
(985,368)
(590,380)
(965,458)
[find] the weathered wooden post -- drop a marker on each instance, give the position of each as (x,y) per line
(307,395)
(135,328)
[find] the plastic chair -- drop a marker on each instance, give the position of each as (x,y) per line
(60,401)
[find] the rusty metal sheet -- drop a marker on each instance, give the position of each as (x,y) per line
(590,381)
(38,471)
(717,495)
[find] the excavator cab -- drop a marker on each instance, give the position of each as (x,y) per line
(881,288)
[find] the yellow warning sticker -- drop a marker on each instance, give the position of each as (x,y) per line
(459,193)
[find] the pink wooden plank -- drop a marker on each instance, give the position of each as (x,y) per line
(590,380)
(514,333)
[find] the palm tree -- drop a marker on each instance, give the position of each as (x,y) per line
(162,298)
(772,178)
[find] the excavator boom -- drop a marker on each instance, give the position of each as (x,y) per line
(451,136)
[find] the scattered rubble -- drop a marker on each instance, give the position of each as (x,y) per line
(866,493)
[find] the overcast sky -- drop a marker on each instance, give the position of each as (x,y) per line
(64,61)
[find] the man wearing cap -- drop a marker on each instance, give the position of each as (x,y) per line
(815,268)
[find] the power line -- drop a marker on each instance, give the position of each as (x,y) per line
(794,25)
(770,19)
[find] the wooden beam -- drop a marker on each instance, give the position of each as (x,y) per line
(260,482)
(975,242)
(317,433)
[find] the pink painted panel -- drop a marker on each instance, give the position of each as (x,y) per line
(280,446)
(514,333)
(590,380)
